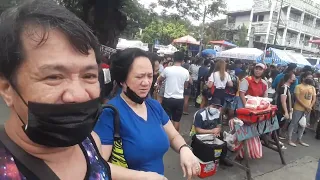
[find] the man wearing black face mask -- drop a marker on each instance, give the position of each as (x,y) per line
(53,99)
(305,95)
(49,80)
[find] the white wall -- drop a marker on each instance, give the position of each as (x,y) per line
(240,20)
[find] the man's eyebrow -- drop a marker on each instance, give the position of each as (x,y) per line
(59,67)
(90,67)
(56,67)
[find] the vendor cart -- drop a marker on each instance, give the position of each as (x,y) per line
(248,131)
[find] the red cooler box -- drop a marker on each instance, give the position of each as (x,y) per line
(208,168)
(250,116)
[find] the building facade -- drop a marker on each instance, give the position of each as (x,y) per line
(299,22)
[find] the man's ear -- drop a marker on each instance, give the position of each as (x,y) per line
(6,91)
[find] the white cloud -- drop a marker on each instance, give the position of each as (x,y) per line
(232,5)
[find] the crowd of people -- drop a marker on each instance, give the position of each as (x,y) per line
(72,117)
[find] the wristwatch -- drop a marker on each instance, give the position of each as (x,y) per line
(185,145)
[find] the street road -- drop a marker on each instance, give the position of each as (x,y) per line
(269,164)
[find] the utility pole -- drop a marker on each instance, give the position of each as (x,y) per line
(278,23)
(202,29)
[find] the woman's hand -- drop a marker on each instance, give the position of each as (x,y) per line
(286,116)
(189,163)
(151,176)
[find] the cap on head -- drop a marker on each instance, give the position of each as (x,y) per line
(261,65)
(215,102)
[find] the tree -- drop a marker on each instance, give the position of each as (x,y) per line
(214,31)
(193,8)
(241,36)
(138,17)
(163,31)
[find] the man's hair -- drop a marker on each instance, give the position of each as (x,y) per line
(178,56)
(48,15)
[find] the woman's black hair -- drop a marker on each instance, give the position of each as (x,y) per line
(212,67)
(47,14)
(122,62)
(285,78)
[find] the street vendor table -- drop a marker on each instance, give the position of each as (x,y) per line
(245,132)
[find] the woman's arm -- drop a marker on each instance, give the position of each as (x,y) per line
(120,173)
(284,103)
(176,140)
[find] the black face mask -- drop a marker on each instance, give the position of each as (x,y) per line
(308,81)
(133,96)
(60,125)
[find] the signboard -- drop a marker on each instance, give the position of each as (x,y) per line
(107,51)
(249,131)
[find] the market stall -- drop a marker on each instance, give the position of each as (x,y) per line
(186,40)
(283,57)
(167,50)
(209,52)
(276,56)
(124,44)
(252,54)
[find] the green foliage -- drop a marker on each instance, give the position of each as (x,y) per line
(193,8)
(138,18)
(214,31)
(163,31)
(242,35)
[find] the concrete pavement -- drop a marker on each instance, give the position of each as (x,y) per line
(267,168)
(302,161)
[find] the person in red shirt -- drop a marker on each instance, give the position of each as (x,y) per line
(253,85)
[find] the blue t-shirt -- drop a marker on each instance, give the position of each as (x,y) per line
(144,142)
(277,80)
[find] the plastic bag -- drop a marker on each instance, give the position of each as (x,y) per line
(303,121)
(257,103)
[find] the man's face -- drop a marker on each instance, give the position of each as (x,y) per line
(53,73)
(258,71)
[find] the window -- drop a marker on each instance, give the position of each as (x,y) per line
(254,18)
(260,17)
(257,38)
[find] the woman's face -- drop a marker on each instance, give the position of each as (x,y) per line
(292,79)
(140,76)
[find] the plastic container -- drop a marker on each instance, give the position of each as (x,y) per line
(208,168)
(250,116)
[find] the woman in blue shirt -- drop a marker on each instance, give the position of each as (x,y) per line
(145,129)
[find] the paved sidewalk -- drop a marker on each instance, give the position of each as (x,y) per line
(304,169)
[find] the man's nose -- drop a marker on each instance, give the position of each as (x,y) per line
(75,93)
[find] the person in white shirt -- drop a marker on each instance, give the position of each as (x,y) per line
(176,80)
(219,79)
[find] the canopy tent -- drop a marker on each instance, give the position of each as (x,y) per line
(282,57)
(209,52)
(316,41)
(186,40)
(124,44)
(223,43)
(167,50)
(242,53)
(298,58)
(276,56)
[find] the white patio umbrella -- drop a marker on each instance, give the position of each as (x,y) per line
(242,53)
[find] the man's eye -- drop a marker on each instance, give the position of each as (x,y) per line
(54,77)
(90,76)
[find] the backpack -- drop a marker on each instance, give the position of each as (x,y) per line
(233,90)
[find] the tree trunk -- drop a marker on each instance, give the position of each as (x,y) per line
(106,19)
